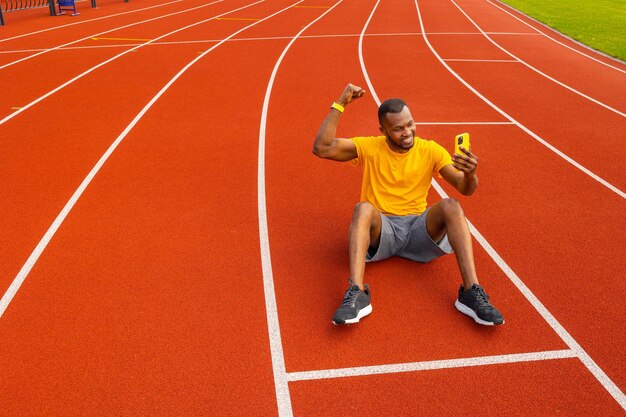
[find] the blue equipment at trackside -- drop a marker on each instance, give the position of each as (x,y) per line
(67,3)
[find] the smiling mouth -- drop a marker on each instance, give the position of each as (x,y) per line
(407,141)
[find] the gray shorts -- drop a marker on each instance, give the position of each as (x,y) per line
(406,236)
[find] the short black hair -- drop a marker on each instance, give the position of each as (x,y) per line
(393,105)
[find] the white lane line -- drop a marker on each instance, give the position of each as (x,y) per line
(514,33)
(269,38)
(559,42)
(362,62)
(452,33)
(595,370)
(48,94)
(73,48)
(478,33)
(107,31)
(431,365)
(538,71)
(43,243)
(479,60)
(518,124)
(188,42)
(86,21)
(283,397)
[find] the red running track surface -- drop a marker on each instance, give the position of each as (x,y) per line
(153,296)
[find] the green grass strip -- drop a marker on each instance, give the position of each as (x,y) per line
(600,24)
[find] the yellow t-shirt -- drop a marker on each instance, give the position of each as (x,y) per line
(398,183)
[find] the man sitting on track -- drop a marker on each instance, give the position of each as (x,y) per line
(392,219)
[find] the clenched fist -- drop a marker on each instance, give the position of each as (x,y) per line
(350,93)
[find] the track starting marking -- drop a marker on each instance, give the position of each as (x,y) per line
(311,7)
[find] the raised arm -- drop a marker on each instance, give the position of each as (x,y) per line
(463,178)
(326,145)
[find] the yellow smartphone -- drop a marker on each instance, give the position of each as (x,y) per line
(462,140)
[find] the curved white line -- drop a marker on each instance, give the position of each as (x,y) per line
(86,21)
(79,76)
(363,68)
(102,33)
(283,397)
(584,357)
(539,32)
(538,71)
(43,243)
(480,60)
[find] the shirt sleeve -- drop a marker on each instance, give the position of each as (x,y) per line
(358,141)
(441,157)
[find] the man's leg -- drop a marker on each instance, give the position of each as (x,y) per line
(447,216)
(364,232)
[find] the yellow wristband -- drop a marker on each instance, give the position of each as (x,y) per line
(337,106)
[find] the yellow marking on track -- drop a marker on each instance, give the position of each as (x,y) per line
(234,18)
(119,39)
(15,108)
(311,7)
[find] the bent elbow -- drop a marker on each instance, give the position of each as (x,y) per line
(319,150)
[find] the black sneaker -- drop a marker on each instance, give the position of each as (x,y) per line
(475,303)
(355,305)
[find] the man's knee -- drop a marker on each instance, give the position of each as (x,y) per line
(365,218)
(364,211)
(451,207)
